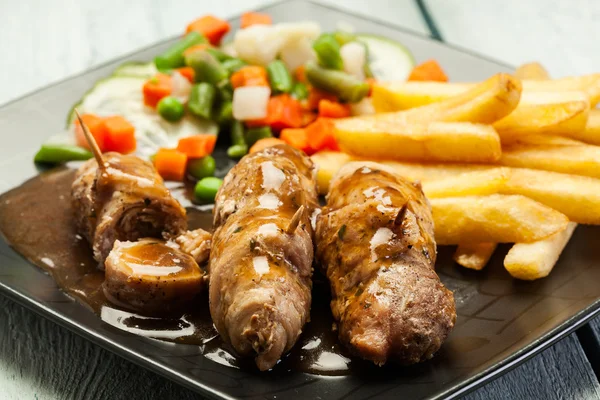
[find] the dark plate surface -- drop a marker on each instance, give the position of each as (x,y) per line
(501,322)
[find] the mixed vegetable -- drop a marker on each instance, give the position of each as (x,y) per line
(273,83)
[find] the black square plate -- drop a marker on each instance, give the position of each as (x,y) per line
(501,322)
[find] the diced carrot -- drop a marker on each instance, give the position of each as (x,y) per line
(250,75)
(296,138)
(428,71)
(264,143)
(299,74)
(156,88)
(187,72)
(333,109)
(316,95)
(211,27)
(170,164)
(197,146)
(320,135)
(120,135)
(196,47)
(254,18)
(283,112)
(95,125)
(308,117)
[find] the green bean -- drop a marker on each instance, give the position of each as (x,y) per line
(201,168)
(60,153)
(206,189)
(225,112)
(173,57)
(328,51)
(237,151)
(233,64)
(218,54)
(346,87)
(343,37)
(225,90)
(255,134)
(202,99)
(237,133)
(300,91)
(170,109)
(280,78)
(206,67)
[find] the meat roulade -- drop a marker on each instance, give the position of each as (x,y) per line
(375,244)
(262,253)
(126,200)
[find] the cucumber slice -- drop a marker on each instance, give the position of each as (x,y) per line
(136,69)
(388,59)
(122,95)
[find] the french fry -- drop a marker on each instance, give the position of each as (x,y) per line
(538,98)
(529,261)
(546,140)
(533,71)
(566,119)
(495,218)
(393,96)
(475,183)
(578,197)
(475,255)
(438,141)
(328,163)
(591,133)
(578,160)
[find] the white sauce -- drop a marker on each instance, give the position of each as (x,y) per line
(378,194)
(313,344)
(268,230)
(261,265)
(273,177)
(153,270)
(382,236)
(47,261)
(269,201)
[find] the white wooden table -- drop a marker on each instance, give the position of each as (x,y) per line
(43,41)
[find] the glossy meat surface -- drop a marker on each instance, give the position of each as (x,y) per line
(375,244)
(126,202)
(260,275)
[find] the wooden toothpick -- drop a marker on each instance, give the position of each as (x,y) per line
(92,142)
(295,221)
(401,214)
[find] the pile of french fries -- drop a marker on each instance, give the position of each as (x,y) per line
(513,159)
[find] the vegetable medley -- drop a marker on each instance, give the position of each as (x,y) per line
(273,83)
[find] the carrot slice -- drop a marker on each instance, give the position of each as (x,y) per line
(299,74)
(197,146)
(296,138)
(187,72)
(320,135)
(250,75)
(254,18)
(264,143)
(170,164)
(120,135)
(428,71)
(211,27)
(316,95)
(196,47)
(156,88)
(95,125)
(333,109)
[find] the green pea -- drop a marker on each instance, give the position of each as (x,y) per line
(202,167)
(170,109)
(237,151)
(206,189)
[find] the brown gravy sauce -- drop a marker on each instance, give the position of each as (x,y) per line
(36,220)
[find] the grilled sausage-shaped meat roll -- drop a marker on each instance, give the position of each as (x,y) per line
(261,260)
(127,200)
(375,244)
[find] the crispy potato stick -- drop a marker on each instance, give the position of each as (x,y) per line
(537,98)
(484,103)
(393,96)
(535,260)
(567,119)
(578,197)
(578,160)
(591,133)
(328,163)
(476,183)
(438,141)
(533,71)
(474,256)
(495,218)
(545,140)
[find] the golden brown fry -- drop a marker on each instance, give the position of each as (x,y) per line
(567,119)
(535,260)
(475,183)
(438,141)
(591,133)
(546,140)
(328,163)
(495,218)
(474,256)
(578,160)
(533,71)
